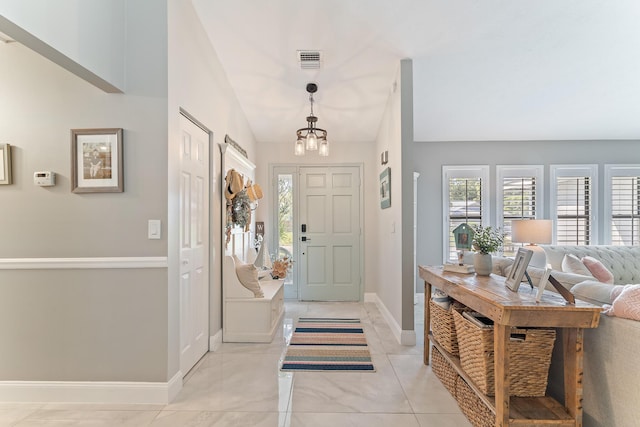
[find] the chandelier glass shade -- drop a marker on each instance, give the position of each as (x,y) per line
(311,138)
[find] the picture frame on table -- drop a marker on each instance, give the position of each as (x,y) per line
(523,256)
(97,161)
(385,188)
(542,284)
(5,164)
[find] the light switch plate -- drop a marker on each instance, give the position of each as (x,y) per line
(155,229)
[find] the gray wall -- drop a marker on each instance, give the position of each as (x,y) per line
(85,324)
(431,156)
(406,117)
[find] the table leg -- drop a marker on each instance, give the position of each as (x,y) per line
(573,341)
(501,368)
(427,321)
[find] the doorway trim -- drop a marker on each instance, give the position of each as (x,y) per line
(273,229)
(210,237)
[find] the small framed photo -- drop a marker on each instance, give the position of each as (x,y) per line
(385,188)
(96,161)
(5,164)
(542,284)
(523,256)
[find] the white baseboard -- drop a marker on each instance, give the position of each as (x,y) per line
(116,392)
(215,341)
(174,386)
(408,338)
(404,337)
(370,297)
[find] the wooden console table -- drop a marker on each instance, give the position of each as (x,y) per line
(489,296)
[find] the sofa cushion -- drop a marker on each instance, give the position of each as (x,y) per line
(502,265)
(598,270)
(622,261)
(572,264)
(626,302)
(593,292)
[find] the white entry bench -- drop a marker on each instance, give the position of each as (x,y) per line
(247,318)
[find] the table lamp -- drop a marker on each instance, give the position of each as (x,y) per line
(533,232)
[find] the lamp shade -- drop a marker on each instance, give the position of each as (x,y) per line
(536,231)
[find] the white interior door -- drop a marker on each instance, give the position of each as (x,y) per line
(330,234)
(194,243)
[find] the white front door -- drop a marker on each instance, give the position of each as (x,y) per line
(194,243)
(330,234)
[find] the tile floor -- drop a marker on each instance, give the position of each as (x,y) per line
(241,385)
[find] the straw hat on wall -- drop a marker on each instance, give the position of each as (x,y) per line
(254,191)
(232,184)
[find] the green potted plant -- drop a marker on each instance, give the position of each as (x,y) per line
(486,240)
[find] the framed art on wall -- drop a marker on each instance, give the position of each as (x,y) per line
(385,188)
(96,161)
(5,164)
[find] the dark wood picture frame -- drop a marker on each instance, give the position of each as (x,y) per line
(97,161)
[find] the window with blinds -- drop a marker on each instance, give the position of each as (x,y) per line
(465,200)
(465,206)
(625,211)
(574,203)
(519,201)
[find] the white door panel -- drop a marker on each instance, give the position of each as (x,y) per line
(194,243)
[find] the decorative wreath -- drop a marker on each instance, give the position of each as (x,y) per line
(241,209)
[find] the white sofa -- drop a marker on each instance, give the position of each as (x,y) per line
(612,351)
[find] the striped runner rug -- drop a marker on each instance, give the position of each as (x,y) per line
(328,344)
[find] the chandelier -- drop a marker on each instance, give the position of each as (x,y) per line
(311,138)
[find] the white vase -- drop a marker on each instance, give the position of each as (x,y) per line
(482,264)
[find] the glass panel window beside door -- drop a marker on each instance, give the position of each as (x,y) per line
(285,220)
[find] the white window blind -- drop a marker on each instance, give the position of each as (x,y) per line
(622,205)
(574,201)
(520,197)
(466,198)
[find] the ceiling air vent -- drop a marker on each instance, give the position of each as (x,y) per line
(309,59)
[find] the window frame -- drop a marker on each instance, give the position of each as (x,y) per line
(610,171)
(519,171)
(580,170)
(466,171)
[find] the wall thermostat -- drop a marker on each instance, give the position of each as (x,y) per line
(44,179)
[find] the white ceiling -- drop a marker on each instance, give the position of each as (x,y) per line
(482,69)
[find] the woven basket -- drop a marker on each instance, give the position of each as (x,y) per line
(443,327)
(444,371)
(529,357)
(478,414)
